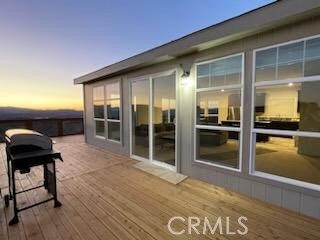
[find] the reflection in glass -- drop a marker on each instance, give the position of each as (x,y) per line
(164,117)
(203,76)
(114,131)
(291,157)
(226,71)
(113,109)
(99,128)
(312,58)
(218,73)
(233,70)
(266,65)
(219,108)
(218,147)
(98,93)
(293,107)
(140,118)
(290,61)
(113,90)
(98,109)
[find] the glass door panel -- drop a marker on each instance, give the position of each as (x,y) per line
(164,119)
(140,118)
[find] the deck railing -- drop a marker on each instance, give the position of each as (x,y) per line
(52,127)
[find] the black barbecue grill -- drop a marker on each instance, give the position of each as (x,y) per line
(26,149)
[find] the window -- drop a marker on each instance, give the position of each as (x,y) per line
(107,111)
(312,57)
(98,110)
(113,111)
(223,72)
(218,112)
(289,61)
(286,121)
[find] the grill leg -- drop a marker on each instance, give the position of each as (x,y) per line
(52,182)
(56,202)
(8,172)
(45,175)
(15,219)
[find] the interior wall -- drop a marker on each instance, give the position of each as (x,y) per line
(282,103)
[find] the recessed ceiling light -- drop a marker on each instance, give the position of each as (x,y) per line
(290,84)
(222,90)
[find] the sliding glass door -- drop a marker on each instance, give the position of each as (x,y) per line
(153,119)
(164,119)
(140,118)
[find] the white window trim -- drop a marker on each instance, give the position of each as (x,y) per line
(149,78)
(287,180)
(287,81)
(235,129)
(254,131)
(228,87)
(106,112)
(95,129)
(98,119)
(277,64)
(113,120)
(105,119)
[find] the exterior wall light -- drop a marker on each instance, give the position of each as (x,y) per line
(185,79)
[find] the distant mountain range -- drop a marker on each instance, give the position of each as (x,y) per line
(11,113)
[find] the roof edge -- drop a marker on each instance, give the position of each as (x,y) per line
(270,14)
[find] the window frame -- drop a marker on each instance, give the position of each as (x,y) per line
(149,78)
(254,131)
(239,129)
(276,64)
(98,119)
(105,119)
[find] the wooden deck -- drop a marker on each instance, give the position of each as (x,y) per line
(105,197)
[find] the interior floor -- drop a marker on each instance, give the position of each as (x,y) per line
(284,160)
(277,156)
(163,153)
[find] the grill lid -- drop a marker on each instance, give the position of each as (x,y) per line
(25,137)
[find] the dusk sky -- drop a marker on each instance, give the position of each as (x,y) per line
(44,45)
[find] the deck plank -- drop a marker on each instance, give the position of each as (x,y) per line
(105,197)
(216,204)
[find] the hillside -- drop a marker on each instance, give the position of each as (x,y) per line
(25,113)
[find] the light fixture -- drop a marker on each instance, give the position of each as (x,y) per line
(290,84)
(185,74)
(222,90)
(185,79)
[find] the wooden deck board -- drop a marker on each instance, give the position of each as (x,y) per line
(105,197)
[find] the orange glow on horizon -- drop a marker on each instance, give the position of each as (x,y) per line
(39,92)
(42,103)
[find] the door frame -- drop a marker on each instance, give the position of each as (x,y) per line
(149,78)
